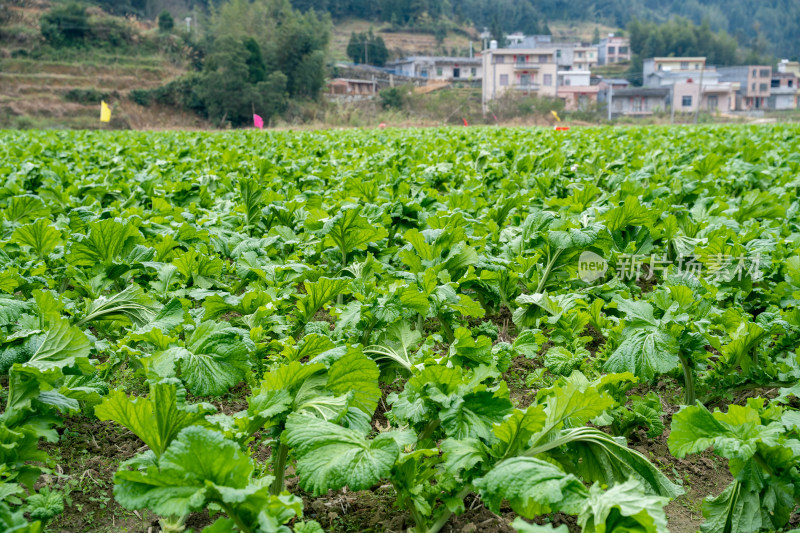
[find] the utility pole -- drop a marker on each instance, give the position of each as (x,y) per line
(672,104)
(610,95)
(700,96)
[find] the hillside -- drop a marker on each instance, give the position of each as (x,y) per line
(41,87)
(36,93)
(401,43)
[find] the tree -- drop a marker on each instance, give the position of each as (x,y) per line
(257,71)
(355,48)
(496,31)
(66,25)
(224,89)
(165,22)
(368,49)
(596,36)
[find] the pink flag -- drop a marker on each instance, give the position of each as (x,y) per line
(258,122)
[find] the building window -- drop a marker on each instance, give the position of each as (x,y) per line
(558,52)
(790,83)
(456,72)
(765,73)
(500,59)
(637,104)
(754,73)
(686,101)
(567,81)
(439,71)
(762,87)
(611,50)
(684,65)
(776,83)
(525,80)
(542,59)
(753,87)
(712,102)
(423,73)
(503,80)
(473,71)
(623,50)
(579,54)
(520,60)
(547,80)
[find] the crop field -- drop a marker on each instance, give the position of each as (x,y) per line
(456,330)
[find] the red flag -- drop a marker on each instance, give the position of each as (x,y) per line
(382,125)
(258,122)
(465,121)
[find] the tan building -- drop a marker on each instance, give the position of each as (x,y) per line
(710,97)
(532,71)
(657,68)
(789,67)
(584,57)
(349,87)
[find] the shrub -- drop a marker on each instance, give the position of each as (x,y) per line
(140,96)
(165,22)
(85,96)
(394,97)
(66,25)
(110,31)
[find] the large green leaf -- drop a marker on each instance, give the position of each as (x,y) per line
(349,230)
(646,353)
(131,304)
(39,235)
(332,457)
(531,487)
(358,374)
(318,293)
(157,419)
(190,473)
(104,241)
(62,346)
(623,507)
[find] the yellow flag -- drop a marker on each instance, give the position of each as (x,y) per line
(105,112)
(556,116)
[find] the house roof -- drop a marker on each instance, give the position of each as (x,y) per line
(642,91)
(345,81)
(616,81)
(677,59)
(437,59)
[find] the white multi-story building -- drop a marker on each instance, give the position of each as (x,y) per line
(439,68)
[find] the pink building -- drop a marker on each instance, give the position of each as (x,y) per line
(578,97)
(711,97)
(613,50)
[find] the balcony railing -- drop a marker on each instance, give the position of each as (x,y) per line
(528,65)
(527,87)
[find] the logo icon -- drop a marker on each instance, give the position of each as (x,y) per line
(591,266)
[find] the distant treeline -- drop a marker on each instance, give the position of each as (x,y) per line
(768,26)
